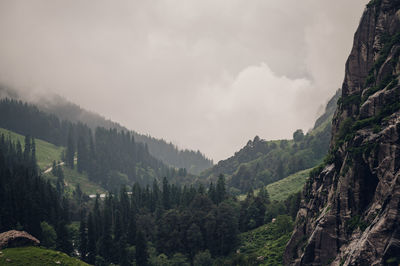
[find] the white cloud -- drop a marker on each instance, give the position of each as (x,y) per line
(187,71)
(256,96)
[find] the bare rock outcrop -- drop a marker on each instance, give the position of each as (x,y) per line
(15,238)
(350,211)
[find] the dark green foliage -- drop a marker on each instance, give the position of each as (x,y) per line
(220,189)
(70,153)
(110,157)
(193,161)
(203,258)
(83,239)
(91,248)
(348,101)
(262,162)
(267,242)
(49,236)
(63,242)
(298,135)
(354,223)
(374,3)
(141,249)
(26,200)
(388,80)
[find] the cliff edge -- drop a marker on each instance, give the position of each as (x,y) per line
(350,211)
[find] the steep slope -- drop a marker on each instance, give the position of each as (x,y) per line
(167,152)
(350,212)
(109,157)
(282,189)
(46,152)
(263,162)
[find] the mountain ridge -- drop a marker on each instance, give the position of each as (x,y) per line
(262,162)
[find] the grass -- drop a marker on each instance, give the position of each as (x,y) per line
(35,256)
(268,241)
(283,188)
(72,177)
(45,152)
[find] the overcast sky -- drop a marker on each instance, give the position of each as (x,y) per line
(205,74)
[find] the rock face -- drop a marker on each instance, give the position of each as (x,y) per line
(350,211)
(15,238)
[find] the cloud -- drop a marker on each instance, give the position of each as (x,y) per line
(205,74)
(256,96)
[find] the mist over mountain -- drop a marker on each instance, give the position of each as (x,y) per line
(306,190)
(170,154)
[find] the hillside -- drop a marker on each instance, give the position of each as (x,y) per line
(265,245)
(350,212)
(110,158)
(167,152)
(262,162)
(46,152)
(282,189)
(35,256)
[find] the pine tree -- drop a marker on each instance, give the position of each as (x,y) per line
(63,242)
(70,153)
(27,149)
(83,238)
(141,249)
(220,189)
(91,247)
(82,155)
(166,194)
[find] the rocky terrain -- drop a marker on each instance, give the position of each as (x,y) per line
(350,211)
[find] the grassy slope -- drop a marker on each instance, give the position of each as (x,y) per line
(46,153)
(283,188)
(35,256)
(72,177)
(266,241)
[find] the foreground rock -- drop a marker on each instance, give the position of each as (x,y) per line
(13,238)
(350,212)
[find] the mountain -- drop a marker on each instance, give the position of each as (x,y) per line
(193,161)
(350,213)
(262,162)
(110,157)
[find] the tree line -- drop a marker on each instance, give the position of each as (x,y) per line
(110,157)
(28,202)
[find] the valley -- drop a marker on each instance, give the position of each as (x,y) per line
(87,190)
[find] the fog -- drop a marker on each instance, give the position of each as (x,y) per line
(207,75)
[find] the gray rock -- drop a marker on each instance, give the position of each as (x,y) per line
(350,212)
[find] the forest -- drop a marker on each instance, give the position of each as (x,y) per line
(157,224)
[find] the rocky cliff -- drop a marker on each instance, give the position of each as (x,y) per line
(350,212)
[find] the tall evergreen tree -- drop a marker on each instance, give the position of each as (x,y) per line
(91,247)
(166,194)
(220,189)
(83,238)
(70,153)
(63,242)
(142,255)
(82,155)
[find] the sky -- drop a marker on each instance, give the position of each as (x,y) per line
(207,75)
